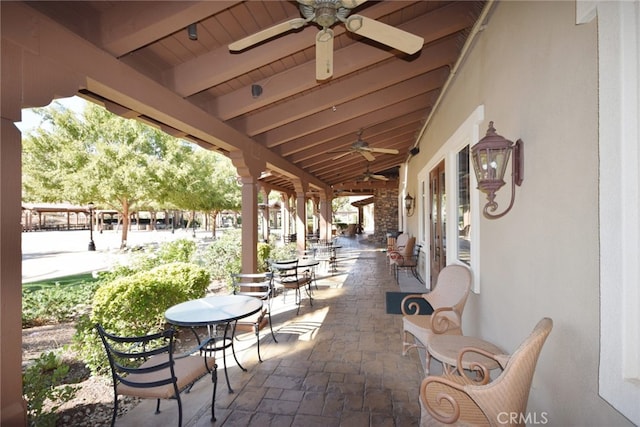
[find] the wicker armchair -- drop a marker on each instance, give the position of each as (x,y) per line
(447,299)
(455,399)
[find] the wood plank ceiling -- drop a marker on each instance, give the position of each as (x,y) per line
(380,91)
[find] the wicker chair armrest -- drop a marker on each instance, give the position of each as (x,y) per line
(441,323)
(484,376)
(409,308)
(444,406)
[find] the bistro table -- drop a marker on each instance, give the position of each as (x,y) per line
(211,312)
(446,348)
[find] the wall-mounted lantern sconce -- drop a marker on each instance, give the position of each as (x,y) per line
(490,158)
(256,90)
(409,205)
(192,31)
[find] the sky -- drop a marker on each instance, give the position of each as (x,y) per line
(31,120)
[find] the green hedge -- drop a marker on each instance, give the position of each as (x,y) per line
(135,305)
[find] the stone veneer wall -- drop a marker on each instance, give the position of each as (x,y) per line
(385,214)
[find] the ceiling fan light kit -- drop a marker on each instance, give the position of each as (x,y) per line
(326,13)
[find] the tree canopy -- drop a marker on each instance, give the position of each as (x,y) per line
(121,164)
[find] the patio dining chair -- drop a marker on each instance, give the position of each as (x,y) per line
(407,260)
(326,254)
(287,276)
(258,285)
(395,244)
(448,300)
(457,399)
(146,367)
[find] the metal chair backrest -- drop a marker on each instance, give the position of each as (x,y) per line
(258,285)
(285,271)
(126,354)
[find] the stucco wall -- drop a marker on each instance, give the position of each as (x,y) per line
(535,72)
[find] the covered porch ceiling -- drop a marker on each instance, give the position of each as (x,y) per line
(139,62)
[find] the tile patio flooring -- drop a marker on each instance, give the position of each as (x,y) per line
(337,363)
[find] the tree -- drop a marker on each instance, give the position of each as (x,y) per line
(204,182)
(117,163)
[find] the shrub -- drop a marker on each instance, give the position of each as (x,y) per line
(288,251)
(40,383)
(264,253)
(58,303)
(223,257)
(181,250)
(135,305)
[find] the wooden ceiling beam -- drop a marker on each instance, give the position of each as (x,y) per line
(408,89)
(346,163)
(441,22)
(435,60)
(220,65)
(128,26)
(391,139)
(321,141)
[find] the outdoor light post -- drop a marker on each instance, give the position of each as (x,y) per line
(92,245)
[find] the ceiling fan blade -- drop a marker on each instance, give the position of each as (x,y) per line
(324,54)
(267,33)
(339,156)
(380,177)
(385,34)
(384,150)
(367,155)
(366,178)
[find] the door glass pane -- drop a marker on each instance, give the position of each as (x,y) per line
(464,207)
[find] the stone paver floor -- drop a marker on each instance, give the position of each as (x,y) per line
(337,363)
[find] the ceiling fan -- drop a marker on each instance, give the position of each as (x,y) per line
(368,175)
(362,147)
(325,13)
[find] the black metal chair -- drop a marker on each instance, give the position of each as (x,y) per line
(326,254)
(410,263)
(146,367)
(258,285)
(286,276)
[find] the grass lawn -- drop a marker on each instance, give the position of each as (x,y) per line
(74,280)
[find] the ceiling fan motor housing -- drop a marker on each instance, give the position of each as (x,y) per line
(325,12)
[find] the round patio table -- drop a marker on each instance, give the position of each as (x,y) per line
(211,312)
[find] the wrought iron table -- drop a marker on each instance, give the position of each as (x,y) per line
(211,312)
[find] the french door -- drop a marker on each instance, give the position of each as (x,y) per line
(438,222)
